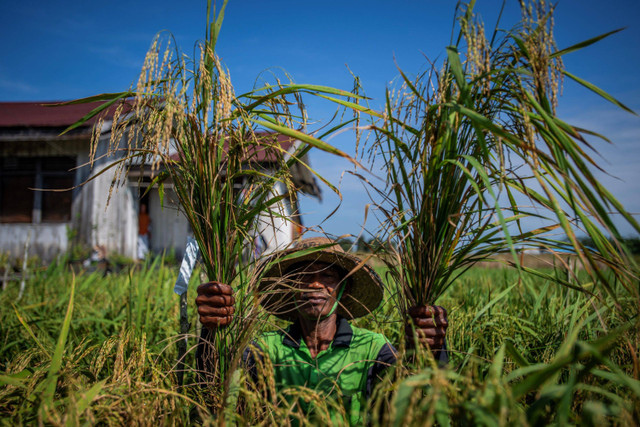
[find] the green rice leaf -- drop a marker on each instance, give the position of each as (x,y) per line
(96,111)
(599,91)
(493,302)
(515,354)
(29,330)
(88,397)
(456,68)
(56,360)
(583,44)
(307,139)
(352,105)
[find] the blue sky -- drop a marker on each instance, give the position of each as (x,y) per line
(70,49)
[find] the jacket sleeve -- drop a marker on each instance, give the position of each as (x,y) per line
(204,357)
(249,356)
(443,355)
(386,357)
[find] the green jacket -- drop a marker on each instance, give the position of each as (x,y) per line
(346,371)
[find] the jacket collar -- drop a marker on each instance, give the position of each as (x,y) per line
(344,333)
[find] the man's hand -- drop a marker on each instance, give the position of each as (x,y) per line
(215,303)
(430,324)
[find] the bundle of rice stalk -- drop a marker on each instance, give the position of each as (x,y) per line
(473,151)
(185,122)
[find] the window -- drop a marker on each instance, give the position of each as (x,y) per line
(18,175)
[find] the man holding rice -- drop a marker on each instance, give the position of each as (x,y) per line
(319,288)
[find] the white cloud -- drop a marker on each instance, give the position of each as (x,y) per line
(16,88)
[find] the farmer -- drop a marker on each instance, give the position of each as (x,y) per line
(320,291)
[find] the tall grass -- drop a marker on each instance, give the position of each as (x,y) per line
(523,350)
(76,339)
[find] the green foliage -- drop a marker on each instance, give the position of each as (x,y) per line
(96,350)
(347,244)
(184,121)
(75,347)
(522,350)
(632,244)
(374,245)
(472,149)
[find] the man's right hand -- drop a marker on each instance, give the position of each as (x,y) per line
(215,303)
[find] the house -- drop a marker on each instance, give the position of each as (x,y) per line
(35,157)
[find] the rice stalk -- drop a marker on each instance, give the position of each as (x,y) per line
(474,149)
(184,122)
(541,326)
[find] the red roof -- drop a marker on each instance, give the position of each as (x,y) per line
(302,177)
(38,114)
(266,153)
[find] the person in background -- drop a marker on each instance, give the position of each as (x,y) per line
(144,232)
(319,292)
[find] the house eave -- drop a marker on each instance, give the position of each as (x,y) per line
(36,135)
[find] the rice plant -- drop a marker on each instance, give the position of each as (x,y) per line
(513,341)
(457,141)
(184,121)
(473,148)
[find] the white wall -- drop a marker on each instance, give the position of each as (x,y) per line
(113,225)
(275,228)
(169,227)
(47,241)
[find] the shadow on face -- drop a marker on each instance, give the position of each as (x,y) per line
(317,286)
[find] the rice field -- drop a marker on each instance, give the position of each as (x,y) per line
(539,346)
(84,348)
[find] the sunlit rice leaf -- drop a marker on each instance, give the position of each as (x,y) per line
(56,359)
(584,44)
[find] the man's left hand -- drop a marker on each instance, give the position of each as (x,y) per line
(430,323)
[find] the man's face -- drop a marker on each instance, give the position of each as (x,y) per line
(318,285)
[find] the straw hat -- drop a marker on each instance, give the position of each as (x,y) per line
(362,293)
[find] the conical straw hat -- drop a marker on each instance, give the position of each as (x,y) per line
(362,294)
